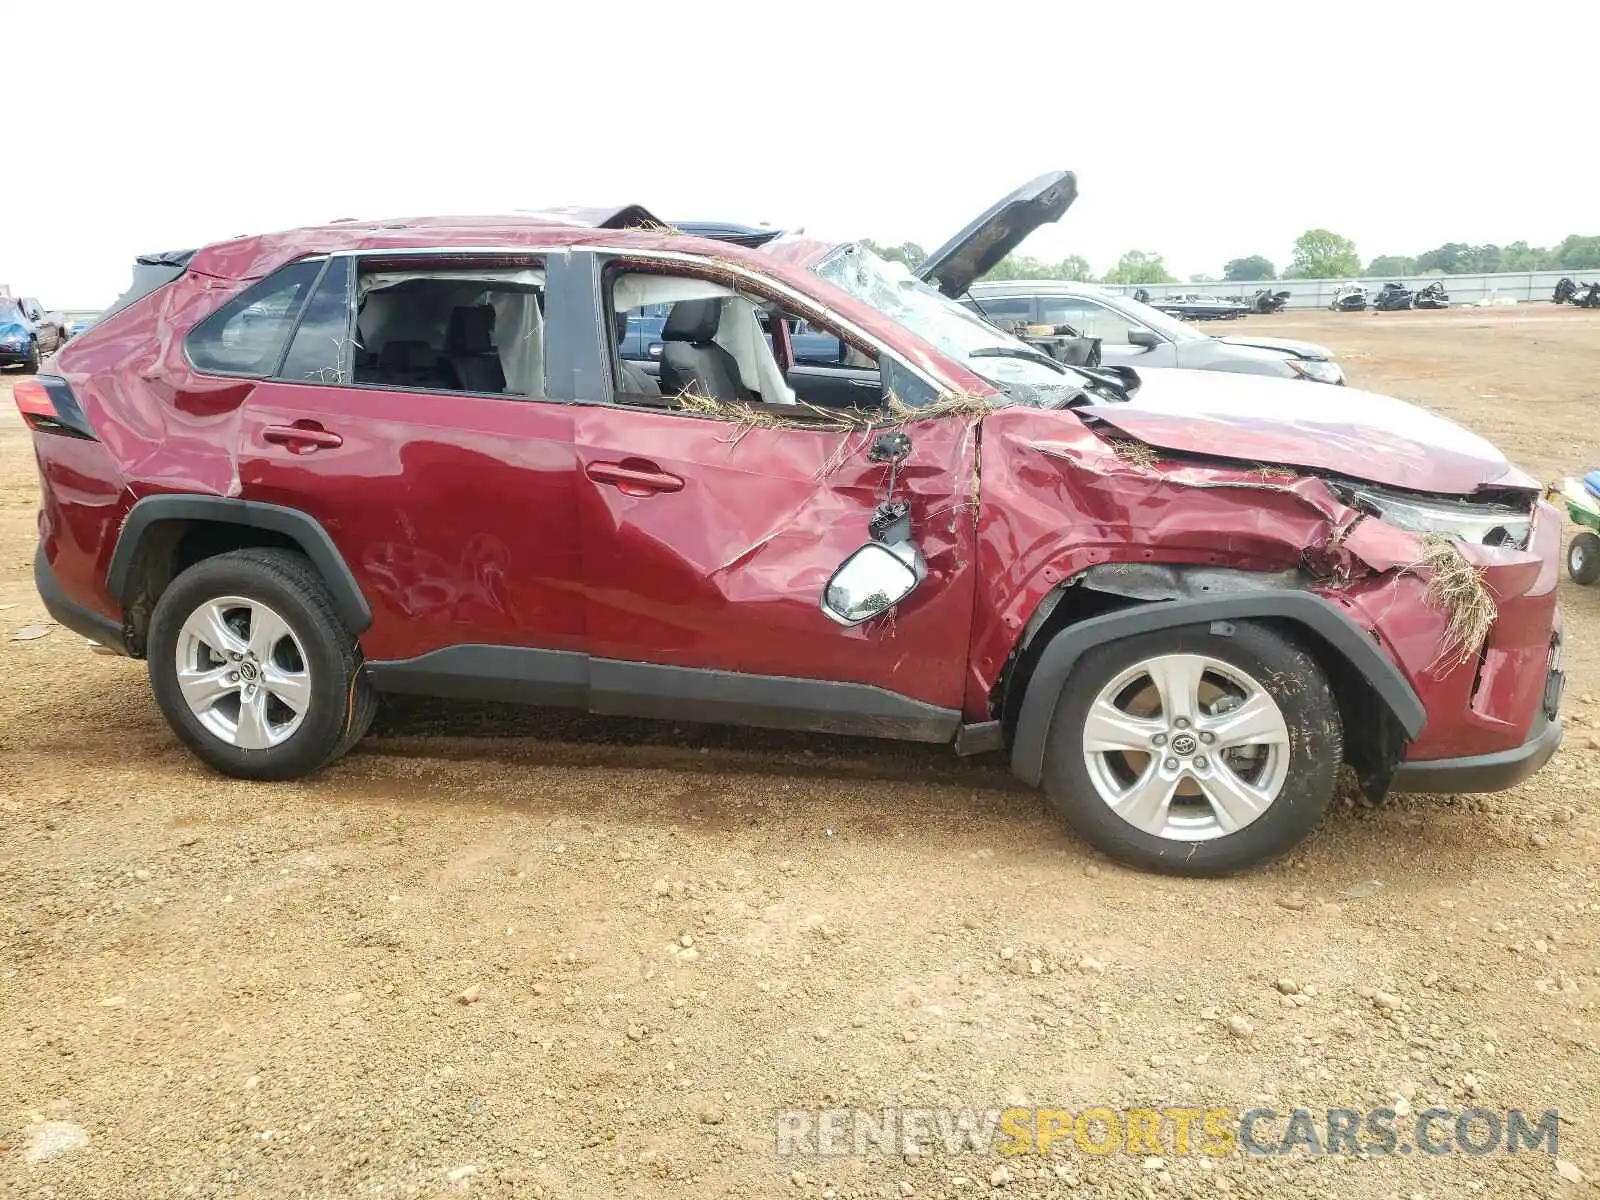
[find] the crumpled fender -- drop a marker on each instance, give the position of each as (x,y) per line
(1058,499)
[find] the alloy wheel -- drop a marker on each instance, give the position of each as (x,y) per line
(243,672)
(1186,747)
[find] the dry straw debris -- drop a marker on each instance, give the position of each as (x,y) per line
(653,226)
(1139,454)
(854,426)
(896,413)
(1456,588)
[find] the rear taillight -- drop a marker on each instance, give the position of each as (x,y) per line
(48,406)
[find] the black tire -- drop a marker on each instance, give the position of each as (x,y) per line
(342,701)
(1583,558)
(1284,670)
(30,365)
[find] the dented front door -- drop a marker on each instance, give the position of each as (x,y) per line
(707,545)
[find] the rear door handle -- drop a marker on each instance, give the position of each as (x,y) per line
(634,477)
(303,437)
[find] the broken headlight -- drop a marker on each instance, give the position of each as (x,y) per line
(1484,523)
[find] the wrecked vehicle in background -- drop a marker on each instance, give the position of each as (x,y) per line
(1432,296)
(1579,295)
(1266,300)
(293,471)
(1392,297)
(1348,297)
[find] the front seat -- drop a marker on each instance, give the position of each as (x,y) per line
(469,349)
(691,361)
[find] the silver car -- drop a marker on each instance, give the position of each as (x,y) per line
(1135,335)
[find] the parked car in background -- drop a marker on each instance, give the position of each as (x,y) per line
(27,334)
(79,320)
(641,338)
(1136,335)
(286,500)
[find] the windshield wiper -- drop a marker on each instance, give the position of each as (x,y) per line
(1108,381)
(1021,352)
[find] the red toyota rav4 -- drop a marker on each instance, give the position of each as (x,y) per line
(298,470)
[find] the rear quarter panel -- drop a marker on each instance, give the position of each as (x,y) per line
(161,429)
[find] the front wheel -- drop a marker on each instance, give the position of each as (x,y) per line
(253,668)
(1200,750)
(30,365)
(1583,558)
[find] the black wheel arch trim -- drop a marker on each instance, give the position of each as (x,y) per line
(305,531)
(1321,617)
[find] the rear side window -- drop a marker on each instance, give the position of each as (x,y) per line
(462,324)
(320,352)
(247,335)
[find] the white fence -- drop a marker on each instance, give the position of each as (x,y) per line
(1318,293)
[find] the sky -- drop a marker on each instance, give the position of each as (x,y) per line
(1200,132)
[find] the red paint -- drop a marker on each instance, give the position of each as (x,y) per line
(673,539)
(459,519)
(728,572)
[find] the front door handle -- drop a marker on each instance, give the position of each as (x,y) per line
(635,477)
(303,437)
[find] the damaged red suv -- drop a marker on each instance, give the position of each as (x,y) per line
(292,472)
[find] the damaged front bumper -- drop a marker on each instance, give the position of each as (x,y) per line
(1482,772)
(1500,769)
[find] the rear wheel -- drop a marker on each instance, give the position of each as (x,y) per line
(1200,750)
(253,668)
(1583,558)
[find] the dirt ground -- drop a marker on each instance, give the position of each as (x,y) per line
(252,990)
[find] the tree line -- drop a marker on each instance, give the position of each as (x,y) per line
(1318,254)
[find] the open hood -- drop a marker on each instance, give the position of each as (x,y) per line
(965,258)
(1342,431)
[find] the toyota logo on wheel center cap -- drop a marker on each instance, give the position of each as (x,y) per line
(1184,744)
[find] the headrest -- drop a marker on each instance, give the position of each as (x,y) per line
(471,330)
(406,356)
(693,320)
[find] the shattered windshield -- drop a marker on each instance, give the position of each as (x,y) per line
(893,290)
